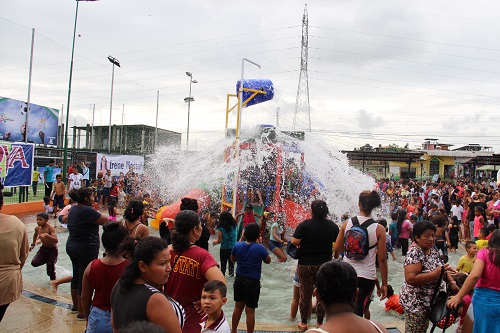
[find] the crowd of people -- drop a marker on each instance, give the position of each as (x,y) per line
(172,283)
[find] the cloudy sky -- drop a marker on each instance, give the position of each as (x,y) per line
(379,72)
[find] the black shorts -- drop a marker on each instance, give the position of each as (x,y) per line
(247,290)
(58,201)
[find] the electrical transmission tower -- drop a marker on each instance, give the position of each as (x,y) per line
(302,114)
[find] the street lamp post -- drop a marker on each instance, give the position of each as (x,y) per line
(115,62)
(188,100)
(65,150)
(65,153)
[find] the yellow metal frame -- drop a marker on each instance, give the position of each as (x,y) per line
(229,109)
(224,202)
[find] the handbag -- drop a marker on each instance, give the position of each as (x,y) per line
(441,315)
(293,251)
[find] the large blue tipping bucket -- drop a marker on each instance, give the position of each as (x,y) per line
(258,84)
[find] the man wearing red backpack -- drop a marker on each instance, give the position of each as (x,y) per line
(363,241)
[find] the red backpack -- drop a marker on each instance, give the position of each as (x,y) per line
(356,241)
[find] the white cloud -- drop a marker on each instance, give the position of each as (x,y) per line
(418,68)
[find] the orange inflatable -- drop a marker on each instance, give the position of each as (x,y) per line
(196,193)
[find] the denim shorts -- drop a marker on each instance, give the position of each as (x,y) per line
(296,281)
(273,245)
(99,321)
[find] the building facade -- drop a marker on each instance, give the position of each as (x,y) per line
(126,139)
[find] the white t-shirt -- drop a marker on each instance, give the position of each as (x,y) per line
(76,181)
(365,268)
(457,211)
(219,326)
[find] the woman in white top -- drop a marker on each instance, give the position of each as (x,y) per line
(365,268)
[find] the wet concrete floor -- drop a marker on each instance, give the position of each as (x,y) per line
(41,310)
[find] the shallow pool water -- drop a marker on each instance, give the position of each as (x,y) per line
(276,292)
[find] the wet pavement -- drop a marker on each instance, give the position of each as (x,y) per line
(42,310)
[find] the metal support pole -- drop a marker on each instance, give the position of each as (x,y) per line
(157,107)
(121,131)
(92,127)
(65,154)
(29,88)
(111,108)
(238,129)
(189,112)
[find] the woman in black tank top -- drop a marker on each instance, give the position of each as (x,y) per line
(136,296)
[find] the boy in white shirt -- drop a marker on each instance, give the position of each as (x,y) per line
(457,210)
(75,180)
(213,297)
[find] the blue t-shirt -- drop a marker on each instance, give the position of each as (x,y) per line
(249,257)
(49,173)
(394,228)
(228,238)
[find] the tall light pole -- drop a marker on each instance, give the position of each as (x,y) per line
(238,131)
(188,100)
(114,62)
(65,153)
(156,126)
(92,127)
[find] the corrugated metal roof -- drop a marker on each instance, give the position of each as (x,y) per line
(455,153)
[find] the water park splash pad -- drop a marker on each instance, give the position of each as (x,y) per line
(287,173)
(275,170)
(288,169)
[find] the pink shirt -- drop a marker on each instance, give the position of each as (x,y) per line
(405,229)
(64,211)
(493,207)
(477,225)
(490,278)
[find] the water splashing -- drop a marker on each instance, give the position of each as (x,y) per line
(175,173)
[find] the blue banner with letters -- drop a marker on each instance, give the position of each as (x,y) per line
(16,163)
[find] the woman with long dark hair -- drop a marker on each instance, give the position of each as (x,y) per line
(315,237)
(404,230)
(137,296)
(100,277)
(131,220)
(337,290)
(226,237)
(485,276)
(83,241)
(366,267)
(192,204)
(185,285)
